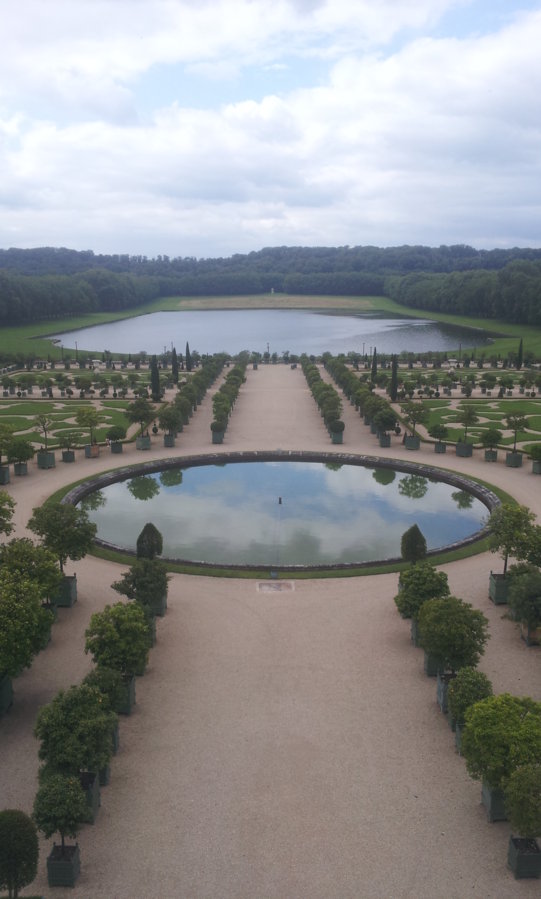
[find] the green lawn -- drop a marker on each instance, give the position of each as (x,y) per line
(62,414)
(494,411)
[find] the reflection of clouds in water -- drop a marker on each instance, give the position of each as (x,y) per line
(343,517)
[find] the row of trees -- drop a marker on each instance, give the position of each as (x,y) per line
(327,399)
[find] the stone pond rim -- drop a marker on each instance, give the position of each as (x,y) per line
(479,491)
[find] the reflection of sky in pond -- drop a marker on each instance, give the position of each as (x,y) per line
(231,513)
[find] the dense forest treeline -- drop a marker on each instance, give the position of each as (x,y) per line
(47,283)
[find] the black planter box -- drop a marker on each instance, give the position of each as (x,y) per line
(63,870)
(524,857)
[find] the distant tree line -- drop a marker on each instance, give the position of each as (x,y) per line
(48,283)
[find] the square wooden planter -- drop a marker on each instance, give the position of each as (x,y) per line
(442,690)
(498,587)
(128,701)
(494,801)
(46,459)
(491,455)
(20,468)
(524,857)
(4,474)
(116,447)
(92,450)
(90,783)
(68,456)
(513,460)
(536,466)
(411,442)
(464,449)
(169,440)
(431,665)
(440,447)
(67,593)
(384,440)
(143,443)
(218,436)
(63,870)
(337,436)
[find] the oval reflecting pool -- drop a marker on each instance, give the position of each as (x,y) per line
(283,513)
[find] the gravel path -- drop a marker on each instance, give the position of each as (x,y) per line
(286,743)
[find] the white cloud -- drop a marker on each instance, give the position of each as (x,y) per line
(433,139)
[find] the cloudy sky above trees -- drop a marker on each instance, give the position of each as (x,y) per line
(210,127)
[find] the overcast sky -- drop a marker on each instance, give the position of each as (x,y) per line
(207,128)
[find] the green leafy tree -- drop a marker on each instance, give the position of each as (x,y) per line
(491,437)
(19,851)
(20,450)
(88,419)
(385,420)
(170,419)
(34,563)
(74,731)
(59,807)
(523,800)
(140,411)
(413,544)
(65,530)
(512,529)
(417,584)
(516,423)
(116,433)
(24,623)
(452,631)
(414,414)
(6,435)
(146,579)
(149,542)
(525,597)
(45,425)
(7,508)
(468,687)
(119,637)
(110,684)
(438,432)
(468,417)
(502,733)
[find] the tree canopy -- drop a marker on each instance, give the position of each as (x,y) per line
(64,529)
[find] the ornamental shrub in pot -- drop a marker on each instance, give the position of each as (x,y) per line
(525,601)
(512,532)
(454,634)
(501,733)
(59,807)
(417,584)
(468,687)
(523,804)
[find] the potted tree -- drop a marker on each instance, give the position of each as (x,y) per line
(18,850)
(385,421)
(119,637)
(512,529)
(467,417)
(515,423)
(115,435)
(67,442)
(36,564)
(75,731)
(20,451)
(468,687)
(336,430)
(416,585)
(489,440)
(170,421)
(141,411)
(146,582)
(46,458)
(523,805)
(111,685)
(453,634)
(525,602)
(68,533)
(415,414)
(88,419)
(6,435)
(217,427)
(59,807)
(24,626)
(439,432)
(535,454)
(501,733)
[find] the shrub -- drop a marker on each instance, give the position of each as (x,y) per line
(119,637)
(417,584)
(452,631)
(468,687)
(18,850)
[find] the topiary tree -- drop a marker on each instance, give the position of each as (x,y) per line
(19,851)
(59,807)
(490,438)
(501,733)
(468,417)
(413,545)
(119,637)
(140,411)
(453,632)
(417,584)
(74,730)
(516,423)
(20,450)
(145,580)
(149,542)
(116,433)
(24,623)
(7,508)
(88,419)
(525,597)
(512,531)
(523,800)
(64,529)
(468,687)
